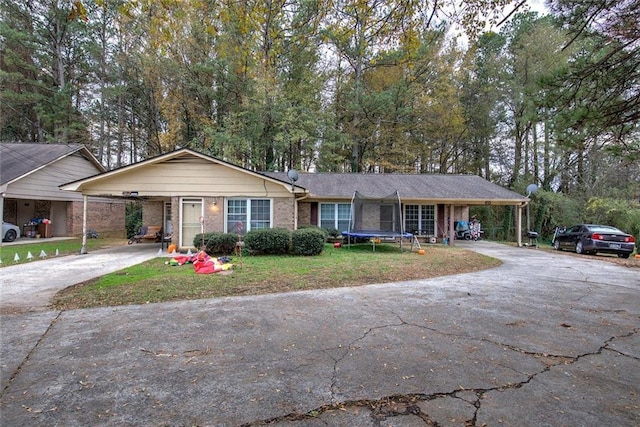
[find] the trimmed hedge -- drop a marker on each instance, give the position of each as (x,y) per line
(217,243)
(268,241)
(324,231)
(308,241)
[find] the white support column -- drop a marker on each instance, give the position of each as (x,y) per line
(519,225)
(83,250)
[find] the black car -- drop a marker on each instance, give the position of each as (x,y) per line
(593,238)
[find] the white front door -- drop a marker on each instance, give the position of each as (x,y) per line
(190,216)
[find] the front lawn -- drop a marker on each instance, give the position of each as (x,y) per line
(155,281)
(45,248)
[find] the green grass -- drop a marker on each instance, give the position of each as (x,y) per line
(63,247)
(155,281)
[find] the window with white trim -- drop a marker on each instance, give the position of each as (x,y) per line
(335,215)
(244,215)
(420,219)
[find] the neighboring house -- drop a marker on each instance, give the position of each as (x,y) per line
(187,192)
(30,175)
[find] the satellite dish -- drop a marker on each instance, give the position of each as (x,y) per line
(531,189)
(293,175)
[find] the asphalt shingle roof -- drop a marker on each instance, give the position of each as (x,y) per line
(18,159)
(409,186)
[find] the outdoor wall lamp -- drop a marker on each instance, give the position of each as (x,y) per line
(214,206)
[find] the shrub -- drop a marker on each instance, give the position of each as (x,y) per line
(308,241)
(623,214)
(334,233)
(217,243)
(326,232)
(132,217)
(549,210)
(269,241)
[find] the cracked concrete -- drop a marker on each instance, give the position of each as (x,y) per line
(544,339)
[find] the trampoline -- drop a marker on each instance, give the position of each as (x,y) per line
(373,235)
(376,218)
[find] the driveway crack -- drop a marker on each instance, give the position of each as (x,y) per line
(345,351)
(28,356)
(407,404)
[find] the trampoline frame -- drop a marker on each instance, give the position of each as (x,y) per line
(376,234)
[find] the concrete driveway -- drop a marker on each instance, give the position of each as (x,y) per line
(30,286)
(545,339)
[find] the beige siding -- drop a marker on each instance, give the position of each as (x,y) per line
(43,184)
(193,177)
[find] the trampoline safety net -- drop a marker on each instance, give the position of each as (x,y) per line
(376,214)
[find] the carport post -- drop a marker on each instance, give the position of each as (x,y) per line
(452,235)
(519,225)
(83,250)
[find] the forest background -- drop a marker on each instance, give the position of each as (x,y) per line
(484,87)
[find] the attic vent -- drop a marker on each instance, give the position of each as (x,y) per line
(187,159)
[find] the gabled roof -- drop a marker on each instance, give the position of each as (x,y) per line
(441,187)
(179,155)
(18,160)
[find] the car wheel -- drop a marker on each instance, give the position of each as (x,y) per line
(579,249)
(623,255)
(10,236)
(556,245)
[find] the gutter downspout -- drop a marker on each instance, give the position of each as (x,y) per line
(295,208)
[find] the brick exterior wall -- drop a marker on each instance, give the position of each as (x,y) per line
(153,213)
(213,214)
(10,211)
(106,217)
(370,218)
(283,213)
(304,214)
(175,211)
